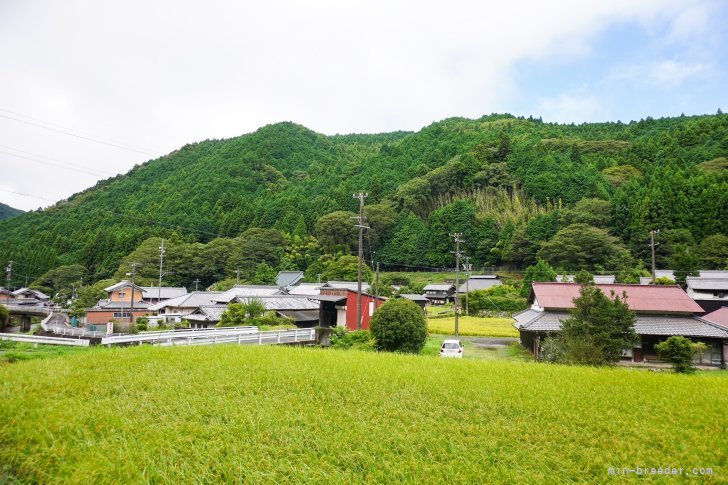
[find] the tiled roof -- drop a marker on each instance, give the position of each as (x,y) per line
(719,317)
(288,278)
(152,292)
(305,289)
(106,305)
(479,282)
(207,313)
(439,287)
(248,290)
(709,284)
(713,273)
(122,284)
(413,297)
(190,300)
(283,302)
(345,285)
(38,294)
(688,326)
(640,298)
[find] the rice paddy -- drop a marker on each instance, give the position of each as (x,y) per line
(229,413)
(473,326)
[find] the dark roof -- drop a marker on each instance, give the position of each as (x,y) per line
(665,325)
(640,298)
(288,278)
(330,298)
(345,285)
(207,313)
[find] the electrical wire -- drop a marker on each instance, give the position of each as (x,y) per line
(66,131)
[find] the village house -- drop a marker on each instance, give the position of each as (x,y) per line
(287,279)
(118,305)
(238,291)
(419,300)
(439,293)
(27,296)
(709,290)
(479,282)
(156,294)
(6,296)
(176,309)
(661,311)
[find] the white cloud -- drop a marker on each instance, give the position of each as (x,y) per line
(567,108)
(161,74)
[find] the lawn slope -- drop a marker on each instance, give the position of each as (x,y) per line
(228,413)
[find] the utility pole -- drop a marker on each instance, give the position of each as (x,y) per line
(361,220)
(652,249)
(8,277)
(161,262)
(376,288)
(197,282)
(237,277)
(458,239)
(131,306)
(467,268)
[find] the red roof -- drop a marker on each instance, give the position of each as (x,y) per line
(720,317)
(640,298)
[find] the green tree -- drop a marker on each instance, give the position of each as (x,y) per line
(598,322)
(4,317)
(580,246)
(684,262)
(680,352)
(399,325)
(541,271)
(714,252)
(337,229)
(346,268)
(264,275)
(234,315)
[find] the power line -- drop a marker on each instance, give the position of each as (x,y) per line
(45,125)
(64,165)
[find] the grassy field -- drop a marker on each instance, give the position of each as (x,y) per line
(473,326)
(277,414)
(17,351)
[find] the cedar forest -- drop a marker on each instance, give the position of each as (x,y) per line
(578,196)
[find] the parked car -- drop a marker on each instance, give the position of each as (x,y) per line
(451,348)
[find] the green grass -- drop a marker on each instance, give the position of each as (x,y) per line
(512,352)
(473,326)
(17,351)
(283,414)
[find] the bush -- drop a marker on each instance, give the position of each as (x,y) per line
(584,351)
(399,326)
(501,299)
(357,340)
(4,317)
(552,349)
(680,352)
(182,324)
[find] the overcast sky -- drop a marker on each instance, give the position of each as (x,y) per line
(151,76)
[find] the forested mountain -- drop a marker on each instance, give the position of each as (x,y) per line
(6,211)
(580,196)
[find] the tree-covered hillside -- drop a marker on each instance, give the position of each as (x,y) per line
(580,196)
(6,211)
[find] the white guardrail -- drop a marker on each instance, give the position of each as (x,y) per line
(239,335)
(36,339)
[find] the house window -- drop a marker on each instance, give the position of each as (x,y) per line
(122,294)
(122,315)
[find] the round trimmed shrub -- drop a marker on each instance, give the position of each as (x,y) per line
(399,326)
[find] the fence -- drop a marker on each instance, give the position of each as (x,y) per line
(36,339)
(239,335)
